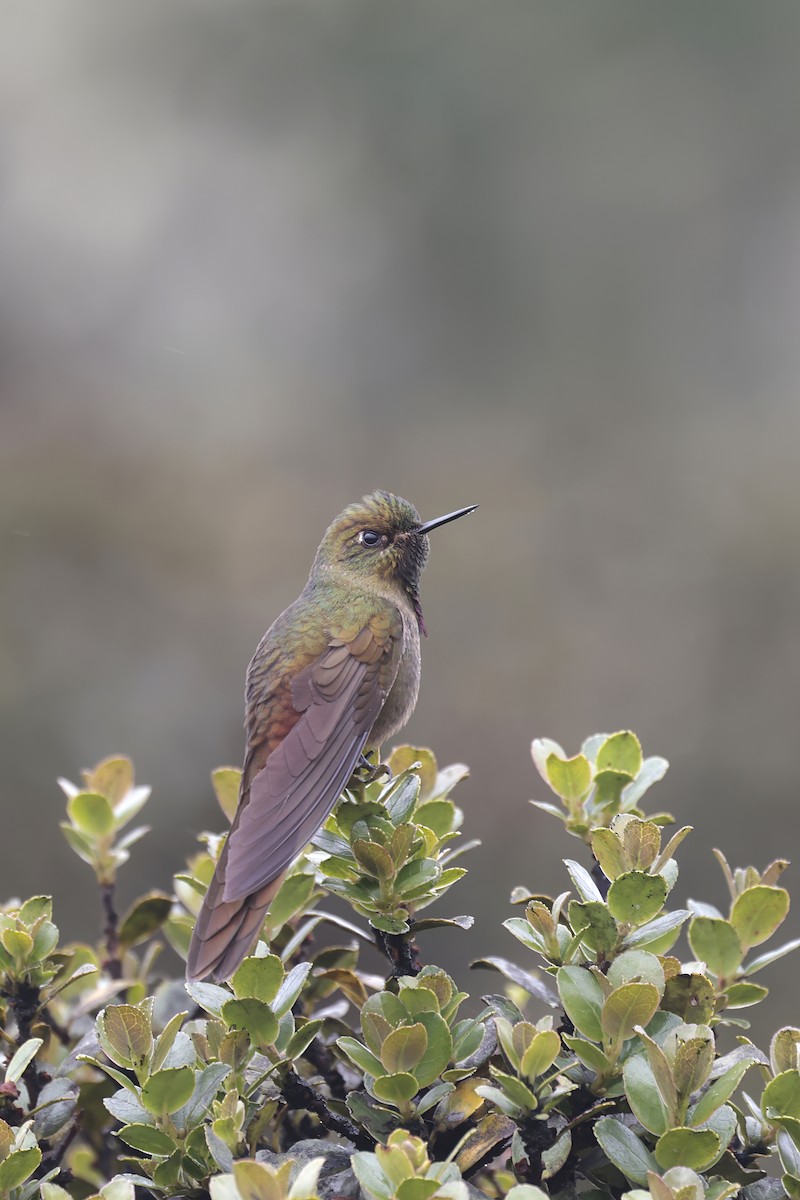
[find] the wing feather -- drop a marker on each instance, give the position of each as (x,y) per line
(335,702)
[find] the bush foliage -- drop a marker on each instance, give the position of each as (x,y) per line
(610,1065)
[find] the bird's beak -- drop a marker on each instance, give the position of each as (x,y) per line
(453,516)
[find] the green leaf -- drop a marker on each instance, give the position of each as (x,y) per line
(421,762)
(402,800)
(403,1049)
(439,1050)
(371,1178)
(373,859)
(541,1054)
(691,997)
(609,786)
(144,918)
(620,752)
(771,956)
(781,1096)
(166,1039)
(589,1054)
(596,926)
(302,1038)
(22,1058)
(716,943)
(167,1090)
(784,1050)
(45,941)
(125,1035)
(624,1149)
(256,1181)
(113,777)
(692,1148)
(92,814)
(644,1095)
(609,852)
(363,1058)
(694,1058)
(225,781)
(719,1092)
(438,816)
(758,912)
(659,934)
(743,995)
(523,932)
(36,907)
(148,1139)
(209,996)
(633,966)
(253,1015)
(397,1088)
(258,978)
(292,897)
(207,1084)
(627,1006)
(290,988)
(18,1167)
(642,841)
(582,998)
(636,897)
(417,874)
(417,1189)
(80,842)
(569,778)
(586,886)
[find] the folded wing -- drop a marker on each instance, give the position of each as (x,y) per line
(338,697)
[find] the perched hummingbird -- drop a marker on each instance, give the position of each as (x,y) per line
(335,676)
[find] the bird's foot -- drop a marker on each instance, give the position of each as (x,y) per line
(367,772)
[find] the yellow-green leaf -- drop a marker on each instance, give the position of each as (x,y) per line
(758,912)
(226,782)
(403,1048)
(92,813)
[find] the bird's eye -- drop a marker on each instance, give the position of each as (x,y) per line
(369,537)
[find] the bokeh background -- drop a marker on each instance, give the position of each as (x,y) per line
(259,258)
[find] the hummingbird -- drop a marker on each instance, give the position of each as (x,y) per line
(334,677)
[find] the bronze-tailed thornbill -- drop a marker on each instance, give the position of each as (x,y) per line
(334,677)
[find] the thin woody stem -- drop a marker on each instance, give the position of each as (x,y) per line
(299,1094)
(113,961)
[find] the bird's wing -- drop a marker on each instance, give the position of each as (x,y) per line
(318,726)
(339,696)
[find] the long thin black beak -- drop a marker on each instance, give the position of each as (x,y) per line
(453,516)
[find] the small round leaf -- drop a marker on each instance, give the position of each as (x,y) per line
(637,897)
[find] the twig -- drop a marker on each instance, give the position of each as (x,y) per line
(300,1094)
(320,1057)
(113,962)
(402,952)
(24,999)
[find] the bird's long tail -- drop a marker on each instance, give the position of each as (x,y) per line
(226,929)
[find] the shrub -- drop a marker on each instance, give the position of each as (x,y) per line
(596,1073)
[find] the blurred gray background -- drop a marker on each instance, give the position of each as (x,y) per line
(259,258)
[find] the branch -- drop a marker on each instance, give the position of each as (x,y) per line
(402,952)
(299,1094)
(113,962)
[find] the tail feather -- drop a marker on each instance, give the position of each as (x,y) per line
(226,929)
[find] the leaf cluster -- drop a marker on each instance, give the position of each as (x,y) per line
(611,1066)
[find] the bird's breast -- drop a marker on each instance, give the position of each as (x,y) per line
(402,697)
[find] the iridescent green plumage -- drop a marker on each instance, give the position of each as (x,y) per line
(335,675)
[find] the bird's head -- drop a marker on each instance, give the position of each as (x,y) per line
(381,538)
